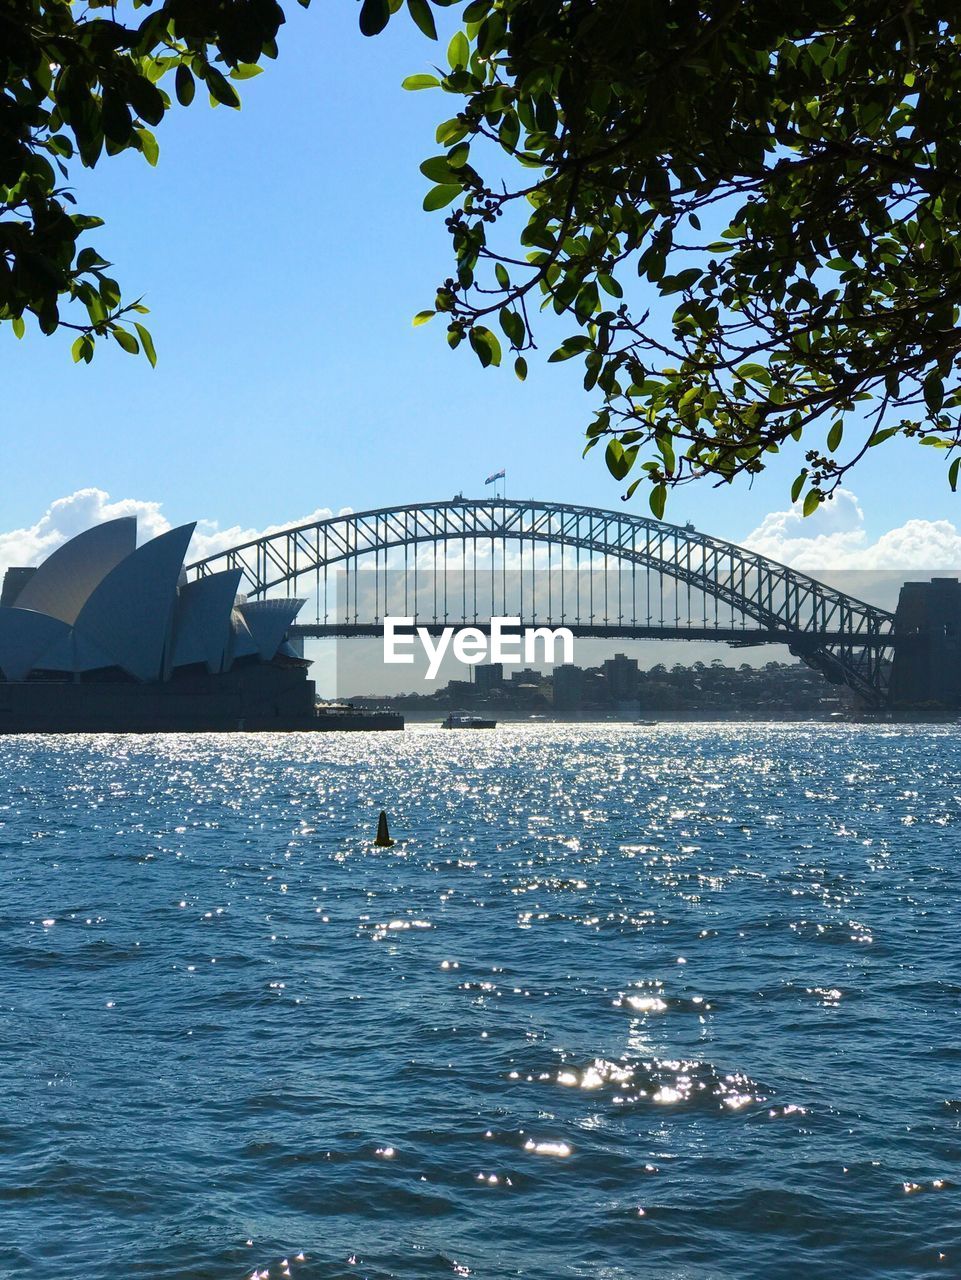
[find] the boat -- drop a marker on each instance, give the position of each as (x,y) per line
(646,723)
(462,720)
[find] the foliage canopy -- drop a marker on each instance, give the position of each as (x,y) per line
(79,83)
(784,178)
(749,210)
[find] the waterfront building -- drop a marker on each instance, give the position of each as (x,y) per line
(568,689)
(101,604)
(106,635)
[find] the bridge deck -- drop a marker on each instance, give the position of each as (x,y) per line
(737,636)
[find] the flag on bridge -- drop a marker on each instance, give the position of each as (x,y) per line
(498,475)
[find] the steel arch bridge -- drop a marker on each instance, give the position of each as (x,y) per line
(849,641)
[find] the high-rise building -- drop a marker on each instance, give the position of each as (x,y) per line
(622,676)
(488,676)
(568,688)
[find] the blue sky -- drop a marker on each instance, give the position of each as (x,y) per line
(283,251)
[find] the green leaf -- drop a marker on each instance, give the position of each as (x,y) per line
(89,258)
(618,459)
(513,326)
(658,500)
(757,372)
(422,317)
(798,485)
(117,121)
(19,328)
(221,90)
(485,345)
(451,131)
(420,11)
(812,501)
(374,16)
(953,474)
(184,85)
(245,71)
(834,435)
(146,99)
(933,392)
(413,83)
(437,169)
(569,347)
(879,437)
(109,292)
(126,340)
(440,196)
(510,131)
(520,368)
(665,445)
(458,51)
(147,343)
(83,348)
(148,146)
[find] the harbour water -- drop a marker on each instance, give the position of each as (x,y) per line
(678,1002)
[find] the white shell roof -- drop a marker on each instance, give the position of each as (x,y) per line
(130,613)
(24,637)
(63,583)
(100,601)
(268,621)
(202,630)
(74,652)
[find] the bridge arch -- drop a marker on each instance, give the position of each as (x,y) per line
(848,640)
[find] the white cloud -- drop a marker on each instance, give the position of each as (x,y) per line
(832,539)
(835,538)
(66,517)
(69,516)
(209,538)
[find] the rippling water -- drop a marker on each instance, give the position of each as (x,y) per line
(674,1003)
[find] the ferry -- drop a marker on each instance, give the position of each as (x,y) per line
(461,720)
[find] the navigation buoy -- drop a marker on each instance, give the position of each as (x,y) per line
(383,840)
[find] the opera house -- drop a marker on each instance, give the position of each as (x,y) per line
(109,636)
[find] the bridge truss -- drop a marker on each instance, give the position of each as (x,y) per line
(465,550)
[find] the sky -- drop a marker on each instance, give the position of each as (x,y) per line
(283,252)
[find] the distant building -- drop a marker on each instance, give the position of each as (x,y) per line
(527,676)
(622,677)
(488,676)
(927,661)
(461,689)
(14,581)
(568,689)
